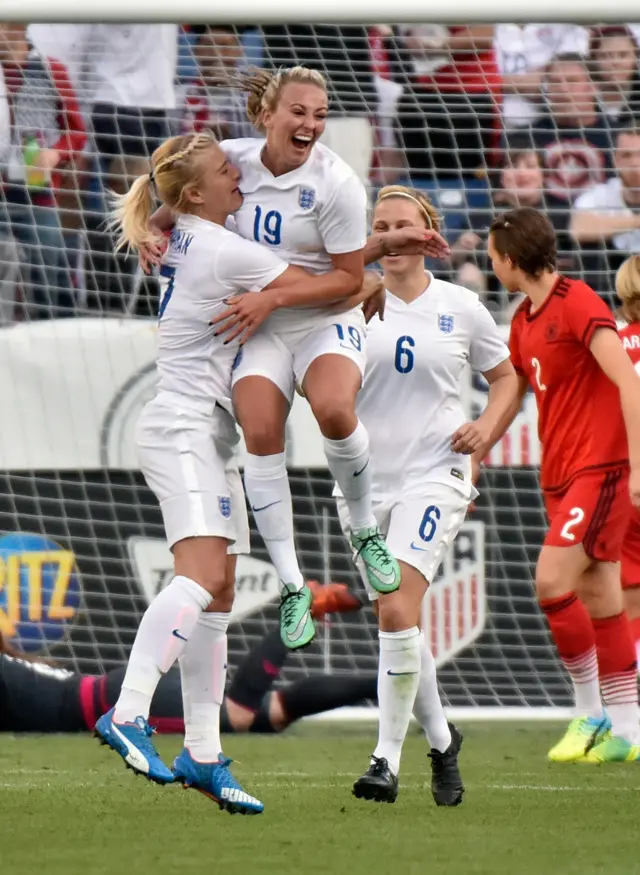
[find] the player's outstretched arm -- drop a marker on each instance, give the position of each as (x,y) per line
(476,438)
(608,351)
(406,241)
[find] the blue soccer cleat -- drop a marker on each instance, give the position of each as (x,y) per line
(133,742)
(215,781)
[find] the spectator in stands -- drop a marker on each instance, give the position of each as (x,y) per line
(342,55)
(523,52)
(47,133)
(132,71)
(573,137)
(9,255)
(209,101)
(521,184)
(608,216)
(447,113)
(613,54)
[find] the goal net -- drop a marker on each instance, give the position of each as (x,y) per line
(481,117)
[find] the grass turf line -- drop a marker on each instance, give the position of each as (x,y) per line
(69,806)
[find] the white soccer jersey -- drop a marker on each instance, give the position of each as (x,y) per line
(204,264)
(410,400)
(306,215)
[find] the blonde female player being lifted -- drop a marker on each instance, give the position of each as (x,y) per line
(185,441)
(303,202)
(422,479)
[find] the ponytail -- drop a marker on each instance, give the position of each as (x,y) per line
(131,213)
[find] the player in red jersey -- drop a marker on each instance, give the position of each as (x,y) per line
(628,289)
(564,344)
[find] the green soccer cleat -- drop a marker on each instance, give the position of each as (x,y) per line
(582,734)
(297,628)
(383,571)
(613,749)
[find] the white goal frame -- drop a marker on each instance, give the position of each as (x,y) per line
(332,11)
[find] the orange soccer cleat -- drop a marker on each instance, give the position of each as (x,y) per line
(332,598)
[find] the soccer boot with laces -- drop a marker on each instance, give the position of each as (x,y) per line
(382,569)
(378,783)
(613,749)
(215,781)
(446,784)
(297,628)
(582,734)
(133,742)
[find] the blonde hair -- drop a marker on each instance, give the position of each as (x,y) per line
(429,212)
(264,89)
(174,168)
(628,288)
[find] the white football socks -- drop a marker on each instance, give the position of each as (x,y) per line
(203,673)
(164,630)
(427,708)
(348,461)
(398,676)
(267,485)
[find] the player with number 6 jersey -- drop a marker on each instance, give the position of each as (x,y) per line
(421,472)
(628,290)
(564,345)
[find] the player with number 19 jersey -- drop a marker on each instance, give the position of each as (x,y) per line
(305,216)
(584,468)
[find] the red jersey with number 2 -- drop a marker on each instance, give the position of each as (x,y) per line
(580,422)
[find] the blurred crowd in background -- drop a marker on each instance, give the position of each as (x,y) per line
(483,117)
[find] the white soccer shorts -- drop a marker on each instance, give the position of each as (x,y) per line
(418,530)
(187,458)
(284,357)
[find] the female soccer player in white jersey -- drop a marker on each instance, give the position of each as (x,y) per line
(421,476)
(303,202)
(185,442)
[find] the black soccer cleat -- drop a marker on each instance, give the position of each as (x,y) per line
(378,783)
(446,784)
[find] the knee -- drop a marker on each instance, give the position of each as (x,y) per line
(223,598)
(396,613)
(335,415)
(263,438)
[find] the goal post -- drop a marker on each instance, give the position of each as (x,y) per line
(82,550)
(250,11)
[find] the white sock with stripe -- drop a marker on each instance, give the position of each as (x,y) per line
(203,673)
(398,676)
(164,630)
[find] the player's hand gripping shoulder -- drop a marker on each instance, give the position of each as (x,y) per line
(151,251)
(372,296)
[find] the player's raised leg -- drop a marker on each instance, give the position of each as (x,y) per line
(262,408)
(331,383)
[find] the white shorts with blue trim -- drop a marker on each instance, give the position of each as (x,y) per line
(418,529)
(284,356)
(186,453)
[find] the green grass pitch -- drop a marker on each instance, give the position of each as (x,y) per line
(69,807)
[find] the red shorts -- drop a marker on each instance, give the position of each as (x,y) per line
(593,511)
(631,553)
